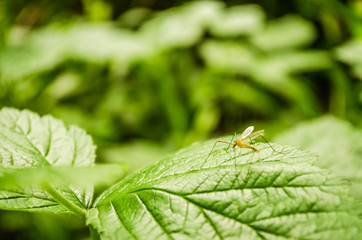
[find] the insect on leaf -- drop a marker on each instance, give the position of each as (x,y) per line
(247,132)
(235,194)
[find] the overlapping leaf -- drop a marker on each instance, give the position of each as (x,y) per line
(28,140)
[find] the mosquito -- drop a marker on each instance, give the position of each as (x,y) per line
(247,134)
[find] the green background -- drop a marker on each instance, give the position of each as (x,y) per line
(145,78)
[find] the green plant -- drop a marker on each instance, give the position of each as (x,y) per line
(336,141)
(203,66)
(237,193)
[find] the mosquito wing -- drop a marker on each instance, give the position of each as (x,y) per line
(247,132)
(256,134)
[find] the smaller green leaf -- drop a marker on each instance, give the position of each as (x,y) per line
(46,48)
(272,68)
(351,53)
(283,33)
(181,26)
(238,20)
(228,56)
(30,141)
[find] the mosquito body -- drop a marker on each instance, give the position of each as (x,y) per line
(247,134)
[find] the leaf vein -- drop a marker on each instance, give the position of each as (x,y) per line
(121,221)
(154,218)
(207,218)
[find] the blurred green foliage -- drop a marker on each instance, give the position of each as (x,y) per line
(337,142)
(147,77)
(338,145)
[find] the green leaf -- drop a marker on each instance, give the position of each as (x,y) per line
(351,53)
(336,141)
(97,175)
(48,47)
(234,194)
(27,141)
(238,20)
(239,58)
(287,32)
(228,56)
(181,26)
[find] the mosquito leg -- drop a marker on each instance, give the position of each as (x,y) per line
(232,139)
(210,151)
(269,144)
(213,149)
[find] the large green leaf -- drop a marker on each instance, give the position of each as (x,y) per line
(28,140)
(235,194)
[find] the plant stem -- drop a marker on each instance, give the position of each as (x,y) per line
(62,200)
(94,233)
